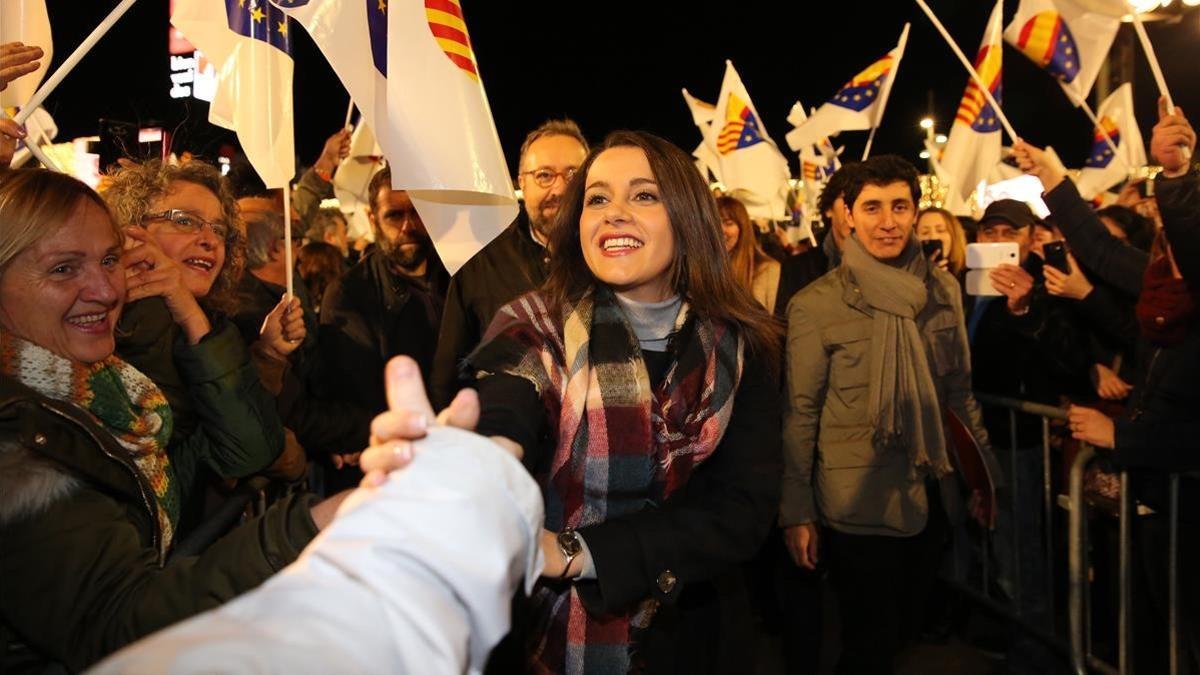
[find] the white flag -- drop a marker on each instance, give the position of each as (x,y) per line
(859,104)
(248,43)
(750,162)
(705,154)
(1067,39)
(1118,123)
(25,21)
(352,180)
(453,167)
(973,149)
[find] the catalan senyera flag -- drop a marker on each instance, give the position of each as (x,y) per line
(410,67)
(25,21)
(859,104)
(1069,40)
(973,148)
(750,163)
(249,43)
(741,127)
(1103,170)
(437,110)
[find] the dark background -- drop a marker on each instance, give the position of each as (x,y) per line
(620,64)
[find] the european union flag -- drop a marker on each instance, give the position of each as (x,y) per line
(1101,154)
(863,90)
(260,20)
(377,26)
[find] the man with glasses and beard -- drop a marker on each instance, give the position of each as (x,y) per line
(390,303)
(516,261)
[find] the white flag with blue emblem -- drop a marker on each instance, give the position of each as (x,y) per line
(973,149)
(858,105)
(1118,123)
(749,163)
(248,43)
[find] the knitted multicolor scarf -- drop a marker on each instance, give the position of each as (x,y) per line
(621,445)
(118,398)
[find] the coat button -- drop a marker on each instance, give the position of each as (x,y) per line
(39,439)
(666,582)
(1160,320)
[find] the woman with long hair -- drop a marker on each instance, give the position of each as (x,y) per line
(756,271)
(92,492)
(640,385)
(937,224)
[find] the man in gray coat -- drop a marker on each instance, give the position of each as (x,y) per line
(876,348)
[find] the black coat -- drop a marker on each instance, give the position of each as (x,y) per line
(323,424)
(685,552)
(510,266)
(370,315)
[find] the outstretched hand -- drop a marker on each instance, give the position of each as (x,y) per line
(408,418)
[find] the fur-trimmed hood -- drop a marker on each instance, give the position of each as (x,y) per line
(29,482)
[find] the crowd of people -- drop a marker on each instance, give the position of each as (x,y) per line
(641,395)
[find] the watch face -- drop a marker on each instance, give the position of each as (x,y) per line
(568,541)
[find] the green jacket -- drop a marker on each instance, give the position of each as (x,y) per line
(833,472)
(80,573)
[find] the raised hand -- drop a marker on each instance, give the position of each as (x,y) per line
(1173,142)
(149,272)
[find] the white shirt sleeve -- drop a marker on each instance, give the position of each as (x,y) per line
(415,576)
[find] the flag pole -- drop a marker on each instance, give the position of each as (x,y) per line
(1156,69)
(287,236)
(76,56)
(887,89)
(983,88)
(870,140)
(349,113)
(36,150)
(1091,114)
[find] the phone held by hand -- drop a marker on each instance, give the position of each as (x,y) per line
(933,249)
(982,259)
(1056,256)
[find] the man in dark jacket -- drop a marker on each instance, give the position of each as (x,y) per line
(801,270)
(515,262)
(388,304)
(323,424)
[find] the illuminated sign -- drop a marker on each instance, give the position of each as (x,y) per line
(192,75)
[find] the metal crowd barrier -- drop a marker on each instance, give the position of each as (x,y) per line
(1078,644)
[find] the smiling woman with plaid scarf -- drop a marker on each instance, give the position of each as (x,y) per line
(640,385)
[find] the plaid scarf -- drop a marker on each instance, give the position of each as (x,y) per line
(621,444)
(120,399)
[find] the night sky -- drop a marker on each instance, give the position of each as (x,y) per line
(621,63)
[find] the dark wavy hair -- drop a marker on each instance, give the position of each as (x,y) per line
(1139,230)
(700,270)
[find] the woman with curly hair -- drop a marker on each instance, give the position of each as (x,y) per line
(186,251)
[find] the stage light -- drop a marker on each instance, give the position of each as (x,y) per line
(927,123)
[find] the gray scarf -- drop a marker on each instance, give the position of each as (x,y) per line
(903,401)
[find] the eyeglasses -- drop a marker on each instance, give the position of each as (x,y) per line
(185,222)
(545,177)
